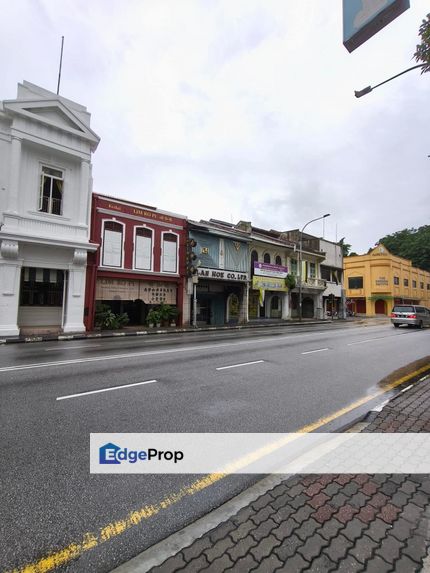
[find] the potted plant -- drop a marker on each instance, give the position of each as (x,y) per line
(165,312)
(153,318)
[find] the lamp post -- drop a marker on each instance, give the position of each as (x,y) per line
(361,93)
(300,259)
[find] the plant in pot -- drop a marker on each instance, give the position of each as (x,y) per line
(173,315)
(165,312)
(153,318)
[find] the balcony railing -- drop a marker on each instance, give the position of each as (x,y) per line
(313,283)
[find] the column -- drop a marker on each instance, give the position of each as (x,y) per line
(10,280)
(244,304)
(15,167)
(75,294)
(84,192)
(285,306)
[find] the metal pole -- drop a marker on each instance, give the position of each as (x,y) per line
(195,305)
(300,259)
(61,63)
(300,276)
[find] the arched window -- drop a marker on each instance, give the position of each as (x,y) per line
(169,255)
(113,234)
(266,258)
(143,249)
(278,260)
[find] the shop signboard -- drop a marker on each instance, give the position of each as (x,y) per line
(222,274)
(151,292)
(269,283)
(268,270)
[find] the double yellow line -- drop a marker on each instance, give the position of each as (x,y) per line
(90,540)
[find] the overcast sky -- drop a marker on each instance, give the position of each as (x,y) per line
(239,109)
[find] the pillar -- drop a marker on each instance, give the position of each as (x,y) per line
(75,294)
(10,280)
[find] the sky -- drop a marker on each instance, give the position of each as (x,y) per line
(239,109)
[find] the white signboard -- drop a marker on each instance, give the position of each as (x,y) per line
(222,275)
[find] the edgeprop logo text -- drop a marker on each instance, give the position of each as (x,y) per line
(112,454)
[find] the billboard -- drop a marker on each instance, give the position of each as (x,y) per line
(362,19)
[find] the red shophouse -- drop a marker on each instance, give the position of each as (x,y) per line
(140,261)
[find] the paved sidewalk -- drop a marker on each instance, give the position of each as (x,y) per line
(320,523)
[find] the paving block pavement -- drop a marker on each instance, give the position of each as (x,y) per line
(321,523)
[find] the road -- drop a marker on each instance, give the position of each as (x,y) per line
(54,512)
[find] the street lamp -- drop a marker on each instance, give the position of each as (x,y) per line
(367,90)
(300,260)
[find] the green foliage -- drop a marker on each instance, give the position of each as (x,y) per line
(162,313)
(167,312)
(412,244)
(346,247)
(108,320)
(290,282)
(153,317)
(422,53)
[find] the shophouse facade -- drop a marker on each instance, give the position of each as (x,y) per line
(270,253)
(330,271)
(46,144)
(376,281)
(222,279)
(312,284)
(139,261)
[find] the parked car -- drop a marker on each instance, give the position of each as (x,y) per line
(410,314)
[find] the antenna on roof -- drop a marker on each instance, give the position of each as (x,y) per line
(61,61)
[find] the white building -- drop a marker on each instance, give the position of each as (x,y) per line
(45,190)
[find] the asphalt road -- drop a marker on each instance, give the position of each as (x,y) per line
(51,505)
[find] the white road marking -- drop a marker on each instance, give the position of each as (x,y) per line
(71,347)
(312,351)
(237,365)
(370,339)
(106,389)
(268,340)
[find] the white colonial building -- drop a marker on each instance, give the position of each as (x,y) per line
(45,190)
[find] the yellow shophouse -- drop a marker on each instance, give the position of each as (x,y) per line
(376,281)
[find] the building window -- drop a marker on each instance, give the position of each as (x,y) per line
(267,258)
(428,286)
(405,282)
(278,260)
(312,271)
(41,287)
(396,280)
(422,286)
(170,253)
(294,266)
(112,244)
(143,249)
(51,191)
(355,282)
(326,274)
(414,284)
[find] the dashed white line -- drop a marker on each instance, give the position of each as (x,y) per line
(312,351)
(71,347)
(237,365)
(106,389)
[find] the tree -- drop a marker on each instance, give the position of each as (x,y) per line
(346,247)
(422,53)
(412,244)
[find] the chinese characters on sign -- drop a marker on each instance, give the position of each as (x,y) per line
(151,292)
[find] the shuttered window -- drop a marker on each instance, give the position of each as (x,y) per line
(112,244)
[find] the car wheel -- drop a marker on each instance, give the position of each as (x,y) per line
(420,324)
(396,325)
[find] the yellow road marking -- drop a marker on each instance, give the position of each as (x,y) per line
(91,539)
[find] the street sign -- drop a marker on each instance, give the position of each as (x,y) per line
(362,19)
